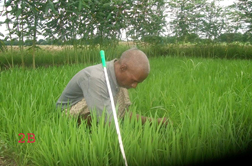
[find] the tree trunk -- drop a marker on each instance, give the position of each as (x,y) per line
(34,42)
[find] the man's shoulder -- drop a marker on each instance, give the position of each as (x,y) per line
(94,73)
(91,71)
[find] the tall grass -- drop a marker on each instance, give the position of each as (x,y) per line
(65,55)
(50,56)
(203,50)
(208,101)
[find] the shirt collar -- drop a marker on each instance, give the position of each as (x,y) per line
(111,72)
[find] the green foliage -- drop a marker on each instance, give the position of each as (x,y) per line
(94,22)
(213,22)
(2,46)
(47,56)
(146,19)
(187,17)
(101,22)
(153,47)
(210,50)
(208,101)
(245,7)
(240,16)
(193,18)
(231,37)
(27,17)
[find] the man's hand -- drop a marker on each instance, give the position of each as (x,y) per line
(164,121)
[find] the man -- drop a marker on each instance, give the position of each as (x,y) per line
(87,90)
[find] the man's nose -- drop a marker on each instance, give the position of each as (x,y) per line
(134,85)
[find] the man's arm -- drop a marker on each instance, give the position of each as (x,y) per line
(164,121)
(143,119)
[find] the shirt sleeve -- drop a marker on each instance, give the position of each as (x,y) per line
(97,97)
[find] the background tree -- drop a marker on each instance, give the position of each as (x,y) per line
(91,21)
(231,37)
(188,14)
(8,21)
(26,19)
(245,7)
(242,15)
(34,16)
(213,21)
(146,20)
(17,11)
(2,45)
(109,19)
(102,22)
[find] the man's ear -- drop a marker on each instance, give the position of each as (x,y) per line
(123,67)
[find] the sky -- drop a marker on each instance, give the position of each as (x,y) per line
(3,28)
(227,2)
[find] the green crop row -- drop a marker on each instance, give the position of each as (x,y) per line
(69,55)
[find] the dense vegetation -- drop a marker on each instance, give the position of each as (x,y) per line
(202,27)
(208,101)
(200,79)
(103,22)
(58,55)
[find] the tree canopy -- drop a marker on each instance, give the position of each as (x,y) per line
(103,22)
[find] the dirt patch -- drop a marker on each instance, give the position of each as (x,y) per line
(5,159)
(7,162)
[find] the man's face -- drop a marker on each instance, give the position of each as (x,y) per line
(131,79)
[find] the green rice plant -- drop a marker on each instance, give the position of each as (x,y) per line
(208,103)
(214,50)
(63,56)
(67,55)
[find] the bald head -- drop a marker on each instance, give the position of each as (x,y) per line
(136,60)
(132,68)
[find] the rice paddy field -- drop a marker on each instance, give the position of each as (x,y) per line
(207,101)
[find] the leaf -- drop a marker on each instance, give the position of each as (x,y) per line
(8,3)
(18,13)
(108,16)
(51,6)
(106,5)
(87,6)
(80,5)
(46,9)
(7,21)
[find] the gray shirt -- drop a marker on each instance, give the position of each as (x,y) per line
(90,83)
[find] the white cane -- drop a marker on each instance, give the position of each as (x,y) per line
(113,106)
